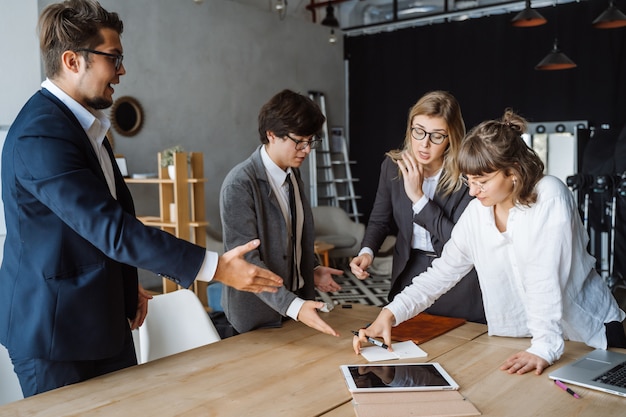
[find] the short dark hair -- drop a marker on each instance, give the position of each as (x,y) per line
(290,112)
(71,25)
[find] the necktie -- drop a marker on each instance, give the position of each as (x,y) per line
(294,223)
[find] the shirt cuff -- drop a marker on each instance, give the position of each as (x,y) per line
(366,250)
(420,204)
(208,268)
(294,308)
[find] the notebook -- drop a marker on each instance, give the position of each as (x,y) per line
(401,350)
(601,370)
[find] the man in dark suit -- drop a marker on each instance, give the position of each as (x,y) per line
(262,198)
(69,293)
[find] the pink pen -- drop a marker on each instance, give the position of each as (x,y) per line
(566,388)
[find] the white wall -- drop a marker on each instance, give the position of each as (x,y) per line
(19,52)
(20,76)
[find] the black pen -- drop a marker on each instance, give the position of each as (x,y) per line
(373,341)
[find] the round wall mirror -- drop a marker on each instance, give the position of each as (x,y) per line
(126,116)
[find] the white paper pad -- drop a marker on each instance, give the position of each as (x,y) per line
(402,350)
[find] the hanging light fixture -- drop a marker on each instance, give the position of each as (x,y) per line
(528,17)
(331,21)
(332,38)
(281,8)
(611,18)
(555,60)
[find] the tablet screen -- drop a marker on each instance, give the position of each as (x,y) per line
(397,377)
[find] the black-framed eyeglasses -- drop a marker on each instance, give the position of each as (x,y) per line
(482,186)
(301,145)
(435,137)
(118,58)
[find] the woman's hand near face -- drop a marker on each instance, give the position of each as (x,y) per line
(413,176)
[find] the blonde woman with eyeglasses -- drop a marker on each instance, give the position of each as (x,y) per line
(419,199)
(524,236)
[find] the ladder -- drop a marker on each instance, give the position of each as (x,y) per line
(344,182)
(329,169)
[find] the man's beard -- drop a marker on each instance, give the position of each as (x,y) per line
(99,103)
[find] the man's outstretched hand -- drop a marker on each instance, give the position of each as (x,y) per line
(234,271)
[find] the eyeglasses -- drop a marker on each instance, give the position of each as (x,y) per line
(118,58)
(303,144)
(435,137)
(482,186)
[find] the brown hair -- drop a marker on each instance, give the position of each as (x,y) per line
(290,112)
(496,145)
(444,105)
(71,25)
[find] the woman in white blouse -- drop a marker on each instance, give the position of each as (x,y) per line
(524,236)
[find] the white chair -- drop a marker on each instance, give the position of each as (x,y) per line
(10,389)
(176,321)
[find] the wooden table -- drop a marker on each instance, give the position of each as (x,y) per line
(294,371)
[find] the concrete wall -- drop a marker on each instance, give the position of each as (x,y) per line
(201,73)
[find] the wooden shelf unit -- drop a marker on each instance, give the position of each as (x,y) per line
(186,193)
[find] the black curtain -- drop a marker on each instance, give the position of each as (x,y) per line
(488,65)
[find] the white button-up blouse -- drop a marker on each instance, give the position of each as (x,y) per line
(537,278)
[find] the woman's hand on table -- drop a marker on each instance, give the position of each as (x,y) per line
(381,328)
(523,362)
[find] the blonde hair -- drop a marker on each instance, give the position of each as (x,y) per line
(445,106)
(496,145)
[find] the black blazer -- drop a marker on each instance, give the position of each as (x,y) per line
(393,214)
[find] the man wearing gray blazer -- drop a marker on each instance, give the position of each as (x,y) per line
(262,198)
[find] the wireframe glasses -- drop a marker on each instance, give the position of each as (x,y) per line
(435,137)
(301,145)
(117,58)
(482,186)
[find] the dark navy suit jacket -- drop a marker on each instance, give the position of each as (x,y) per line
(68,280)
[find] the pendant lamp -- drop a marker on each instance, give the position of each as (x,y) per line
(331,21)
(611,18)
(281,8)
(555,60)
(528,17)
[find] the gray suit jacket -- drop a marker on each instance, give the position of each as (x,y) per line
(250,210)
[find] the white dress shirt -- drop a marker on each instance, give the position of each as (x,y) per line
(421,237)
(537,278)
(277,178)
(95,123)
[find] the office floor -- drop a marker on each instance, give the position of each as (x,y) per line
(372,290)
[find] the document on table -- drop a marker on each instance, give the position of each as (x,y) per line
(402,350)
